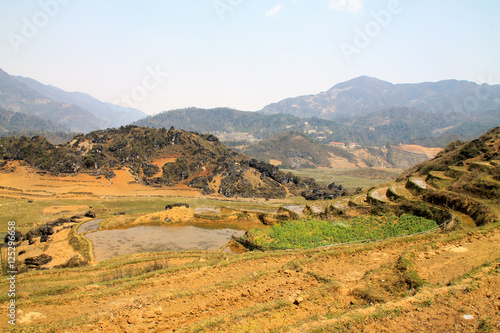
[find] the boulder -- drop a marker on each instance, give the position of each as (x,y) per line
(17,237)
(170,206)
(46,230)
(38,260)
(90,214)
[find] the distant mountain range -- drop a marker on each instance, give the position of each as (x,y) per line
(364,95)
(107,114)
(75,112)
(364,110)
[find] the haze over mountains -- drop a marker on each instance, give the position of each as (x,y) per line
(365,110)
(70,111)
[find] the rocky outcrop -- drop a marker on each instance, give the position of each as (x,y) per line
(198,160)
(47,229)
(90,214)
(331,192)
(17,237)
(36,262)
(179,204)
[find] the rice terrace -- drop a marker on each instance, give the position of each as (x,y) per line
(418,250)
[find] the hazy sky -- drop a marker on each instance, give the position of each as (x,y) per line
(158,55)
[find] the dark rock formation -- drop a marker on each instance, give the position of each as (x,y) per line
(149,170)
(179,204)
(17,237)
(332,192)
(38,260)
(90,214)
(46,230)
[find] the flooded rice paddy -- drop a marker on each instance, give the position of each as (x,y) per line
(112,243)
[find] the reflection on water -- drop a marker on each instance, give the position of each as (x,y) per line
(112,243)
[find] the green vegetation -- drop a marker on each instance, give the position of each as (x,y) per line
(313,233)
(408,273)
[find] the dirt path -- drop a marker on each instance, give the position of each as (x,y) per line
(452,261)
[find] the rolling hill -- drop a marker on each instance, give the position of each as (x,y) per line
(16,122)
(159,158)
(293,150)
(222,121)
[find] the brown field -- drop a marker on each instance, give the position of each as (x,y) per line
(26,182)
(430,152)
(32,198)
(275,162)
(66,209)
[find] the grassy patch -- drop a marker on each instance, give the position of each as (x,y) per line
(80,244)
(314,233)
(132,271)
(409,275)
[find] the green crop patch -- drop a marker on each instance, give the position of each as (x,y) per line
(310,233)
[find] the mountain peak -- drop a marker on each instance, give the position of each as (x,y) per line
(362,82)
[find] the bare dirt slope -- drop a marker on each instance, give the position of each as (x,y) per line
(416,149)
(24,181)
(354,289)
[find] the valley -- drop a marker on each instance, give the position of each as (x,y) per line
(441,274)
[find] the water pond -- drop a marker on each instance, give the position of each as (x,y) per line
(112,243)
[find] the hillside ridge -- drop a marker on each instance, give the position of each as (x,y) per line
(160,157)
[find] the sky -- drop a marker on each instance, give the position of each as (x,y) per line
(158,55)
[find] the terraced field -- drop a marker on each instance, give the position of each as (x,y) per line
(444,279)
